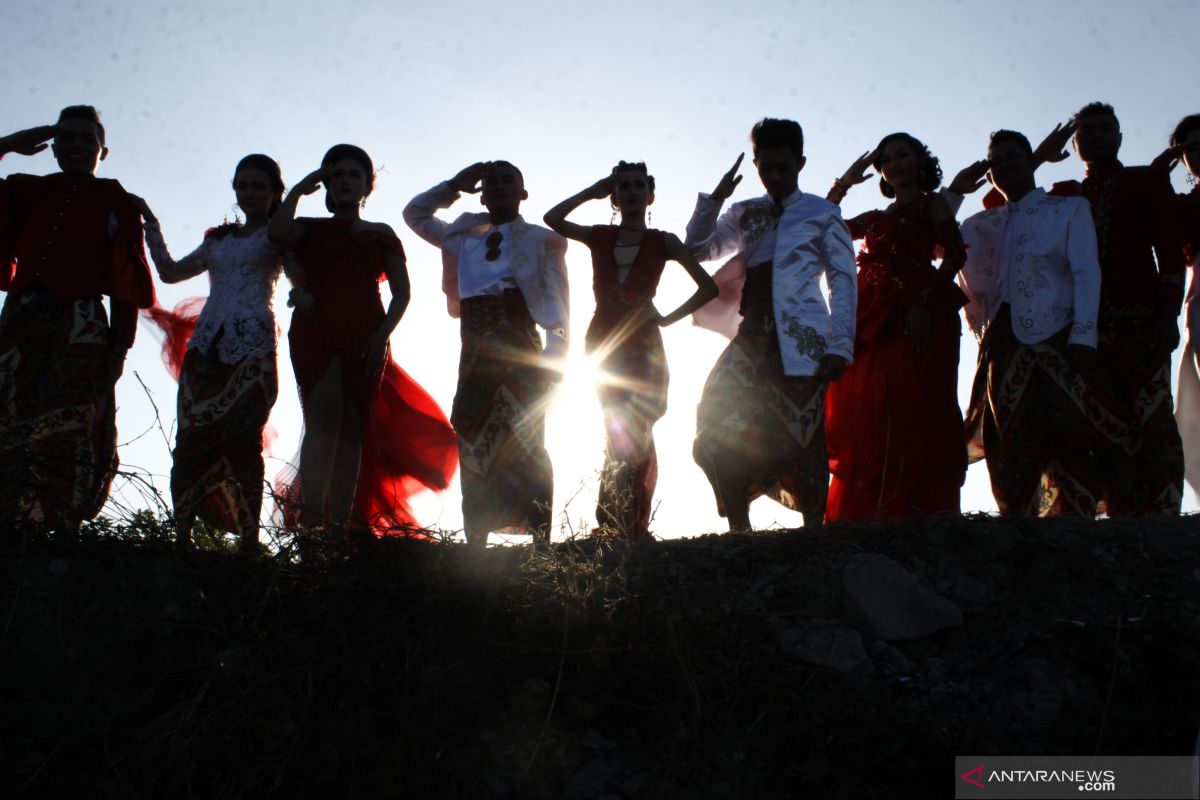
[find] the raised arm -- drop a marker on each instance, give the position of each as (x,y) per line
(420,213)
(556,218)
(28,142)
(855,174)
(283,230)
(706,287)
(711,234)
(395,267)
(169,270)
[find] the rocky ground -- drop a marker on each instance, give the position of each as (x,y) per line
(846,662)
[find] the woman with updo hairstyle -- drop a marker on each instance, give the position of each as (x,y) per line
(351,391)
(222,352)
(625,339)
(893,424)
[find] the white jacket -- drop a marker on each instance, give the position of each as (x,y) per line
(812,241)
(1043,248)
(537,254)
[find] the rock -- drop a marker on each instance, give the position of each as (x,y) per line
(826,643)
(891,602)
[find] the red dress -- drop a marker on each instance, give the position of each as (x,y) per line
(408,443)
(892,420)
(630,347)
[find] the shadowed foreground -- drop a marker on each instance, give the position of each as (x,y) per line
(768,665)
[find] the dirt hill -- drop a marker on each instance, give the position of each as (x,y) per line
(846,662)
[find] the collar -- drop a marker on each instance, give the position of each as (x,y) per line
(1034,197)
(1105,170)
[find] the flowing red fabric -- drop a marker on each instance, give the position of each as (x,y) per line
(408,446)
(177,327)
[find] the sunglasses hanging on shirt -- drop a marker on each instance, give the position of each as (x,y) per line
(493,245)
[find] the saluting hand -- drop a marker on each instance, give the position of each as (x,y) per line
(30,141)
(1168,159)
(970,178)
(1054,147)
(728,182)
(602,188)
(857,172)
(312,181)
(468,179)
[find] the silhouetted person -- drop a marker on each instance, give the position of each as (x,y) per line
(893,422)
(1185,147)
(1141,260)
(624,336)
(502,277)
(761,421)
(1033,281)
(372,436)
(66,241)
(228,380)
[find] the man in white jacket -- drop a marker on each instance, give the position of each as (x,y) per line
(1033,282)
(761,420)
(502,277)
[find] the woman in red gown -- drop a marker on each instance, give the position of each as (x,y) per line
(894,426)
(624,336)
(350,389)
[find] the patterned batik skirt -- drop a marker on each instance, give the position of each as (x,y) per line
(222,411)
(58,436)
(634,397)
(760,423)
(1034,420)
(1142,472)
(499,414)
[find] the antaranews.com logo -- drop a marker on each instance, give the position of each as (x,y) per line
(1085,780)
(983,777)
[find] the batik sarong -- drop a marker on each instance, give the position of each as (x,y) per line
(218,463)
(58,437)
(1033,418)
(499,414)
(753,418)
(1140,472)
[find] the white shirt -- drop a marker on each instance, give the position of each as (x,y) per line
(812,242)
(243,274)
(476,275)
(536,257)
(1038,255)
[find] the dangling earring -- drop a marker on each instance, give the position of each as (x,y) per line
(362,203)
(613,219)
(1191,179)
(649,218)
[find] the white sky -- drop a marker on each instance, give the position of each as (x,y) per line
(564,90)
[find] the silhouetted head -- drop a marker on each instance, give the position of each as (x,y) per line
(634,188)
(778,146)
(258,184)
(352,178)
(1097,133)
(902,159)
(502,190)
(79,140)
(1187,136)
(1010,163)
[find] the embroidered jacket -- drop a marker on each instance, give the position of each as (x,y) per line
(812,241)
(1039,256)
